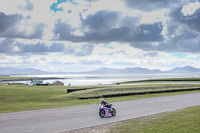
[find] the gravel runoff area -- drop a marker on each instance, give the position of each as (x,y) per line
(106,128)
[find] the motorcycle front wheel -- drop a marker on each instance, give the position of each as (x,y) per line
(102,113)
(113,112)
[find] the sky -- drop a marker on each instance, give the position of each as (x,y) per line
(85,35)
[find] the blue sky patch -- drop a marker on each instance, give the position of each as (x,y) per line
(182,56)
(69,11)
(55,8)
(108,46)
(179,55)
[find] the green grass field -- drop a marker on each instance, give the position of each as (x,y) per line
(22,97)
(182,121)
(15,98)
(165,80)
(131,88)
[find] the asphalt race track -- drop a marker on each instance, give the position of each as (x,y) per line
(69,118)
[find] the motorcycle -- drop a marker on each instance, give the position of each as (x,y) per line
(104,111)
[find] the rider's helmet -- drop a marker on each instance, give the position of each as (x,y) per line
(101,99)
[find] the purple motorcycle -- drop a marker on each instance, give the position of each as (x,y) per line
(104,111)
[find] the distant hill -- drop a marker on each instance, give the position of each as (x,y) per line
(185,69)
(139,70)
(10,70)
(136,70)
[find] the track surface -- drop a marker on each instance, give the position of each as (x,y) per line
(69,118)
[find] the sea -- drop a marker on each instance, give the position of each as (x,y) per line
(105,79)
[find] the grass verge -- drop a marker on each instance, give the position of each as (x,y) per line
(179,121)
(182,121)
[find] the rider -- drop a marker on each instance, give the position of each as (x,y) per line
(105,104)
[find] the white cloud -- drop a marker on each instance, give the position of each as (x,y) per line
(155,16)
(77,33)
(190,8)
(109,5)
(11,6)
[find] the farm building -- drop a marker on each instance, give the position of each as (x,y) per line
(57,83)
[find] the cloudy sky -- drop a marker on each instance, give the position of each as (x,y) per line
(82,35)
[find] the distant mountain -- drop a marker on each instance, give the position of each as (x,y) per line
(10,70)
(136,70)
(105,70)
(139,70)
(185,69)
